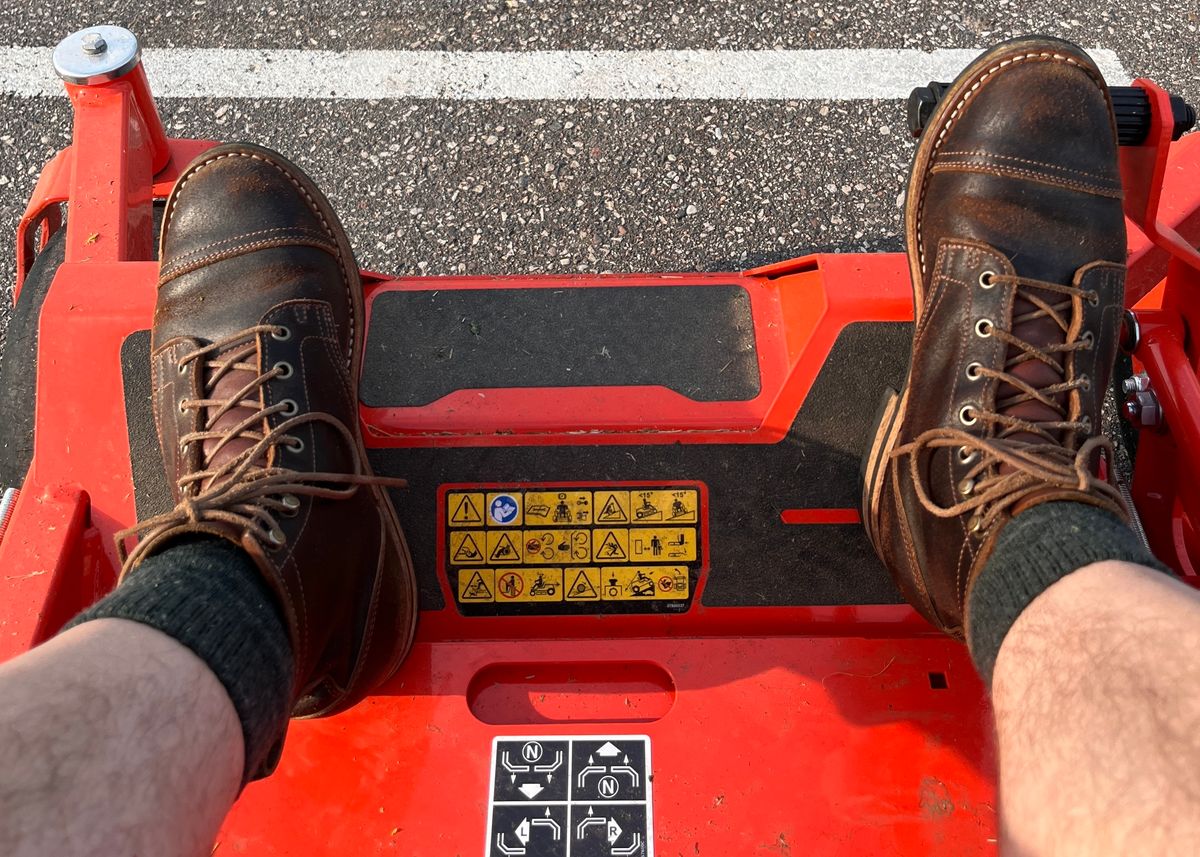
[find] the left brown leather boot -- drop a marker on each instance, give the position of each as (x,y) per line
(256,349)
(1016,243)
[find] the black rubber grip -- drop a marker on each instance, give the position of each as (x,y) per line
(1130,104)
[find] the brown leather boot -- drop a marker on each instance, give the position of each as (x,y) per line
(1016,242)
(255,352)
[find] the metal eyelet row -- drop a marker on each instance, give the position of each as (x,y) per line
(974,372)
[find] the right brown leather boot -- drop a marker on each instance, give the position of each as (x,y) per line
(1016,243)
(255,351)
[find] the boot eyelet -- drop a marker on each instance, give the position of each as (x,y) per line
(283,370)
(1093,298)
(183,447)
(281,333)
(1088,339)
(987,279)
(973,371)
(182,368)
(975,524)
(182,409)
(1086,422)
(290,408)
(966,455)
(275,540)
(294,444)
(984,328)
(292,504)
(966,487)
(966,415)
(1085,383)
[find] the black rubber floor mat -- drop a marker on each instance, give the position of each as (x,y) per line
(756,560)
(695,340)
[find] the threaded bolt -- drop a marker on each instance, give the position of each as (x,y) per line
(1138,383)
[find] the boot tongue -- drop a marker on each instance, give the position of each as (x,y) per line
(226,388)
(1038,332)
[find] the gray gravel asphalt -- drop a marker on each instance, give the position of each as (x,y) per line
(442,187)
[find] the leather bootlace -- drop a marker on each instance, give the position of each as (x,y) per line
(1008,469)
(243,491)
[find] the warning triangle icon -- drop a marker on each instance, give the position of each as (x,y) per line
(504,551)
(465,512)
(468,551)
(582,588)
(611,512)
(610,548)
(477,589)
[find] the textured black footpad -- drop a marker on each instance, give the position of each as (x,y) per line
(695,340)
(754,558)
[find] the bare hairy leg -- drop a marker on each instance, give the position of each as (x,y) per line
(1097,698)
(114,739)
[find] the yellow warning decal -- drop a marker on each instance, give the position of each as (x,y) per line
(558,508)
(662,544)
(557,546)
(610,545)
(680,506)
(583,584)
(464,510)
(644,583)
(529,584)
(466,547)
(503,548)
(612,507)
(572,548)
(476,584)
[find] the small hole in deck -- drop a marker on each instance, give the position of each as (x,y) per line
(937,681)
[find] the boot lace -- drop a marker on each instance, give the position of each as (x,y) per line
(244,491)
(1008,469)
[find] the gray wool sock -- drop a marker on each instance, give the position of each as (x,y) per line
(1034,550)
(208,594)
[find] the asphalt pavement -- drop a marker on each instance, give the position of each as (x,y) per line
(433,186)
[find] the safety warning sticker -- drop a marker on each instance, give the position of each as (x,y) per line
(570,796)
(614,508)
(571,548)
(476,584)
(557,508)
(467,511)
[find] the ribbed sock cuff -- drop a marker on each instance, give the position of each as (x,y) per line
(1034,550)
(208,594)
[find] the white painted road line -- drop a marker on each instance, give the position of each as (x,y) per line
(835,75)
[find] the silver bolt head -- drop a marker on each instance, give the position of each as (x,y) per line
(96,55)
(1143,409)
(93,43)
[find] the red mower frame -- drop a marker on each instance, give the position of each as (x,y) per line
(56,553)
